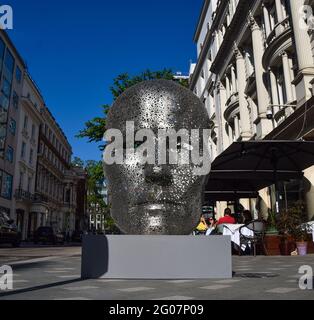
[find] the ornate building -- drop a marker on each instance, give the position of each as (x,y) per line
(38,184)
(255,68)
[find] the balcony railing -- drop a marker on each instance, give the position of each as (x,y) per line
(39,197)
(21,194)
(279,28)
(232,107)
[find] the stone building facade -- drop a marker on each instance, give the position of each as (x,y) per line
(38,184)
(255,68)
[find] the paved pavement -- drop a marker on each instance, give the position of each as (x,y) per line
(54,273)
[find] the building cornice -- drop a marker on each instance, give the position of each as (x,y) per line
(53,122)
(12,47)
(32,109)
(44,139)
(206,45)
(201,19)
(238,21)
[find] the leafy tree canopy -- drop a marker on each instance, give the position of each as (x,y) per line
(95,128)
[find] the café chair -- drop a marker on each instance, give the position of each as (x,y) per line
(258,229)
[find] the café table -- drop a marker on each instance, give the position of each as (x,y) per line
(233,230)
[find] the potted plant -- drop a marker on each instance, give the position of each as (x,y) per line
(301,236)
(271,223)
(293,230)
(286,222)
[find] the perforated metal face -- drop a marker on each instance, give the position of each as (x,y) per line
(156,199)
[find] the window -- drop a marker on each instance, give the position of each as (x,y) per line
(12,126)
(15,99)
(9,62)
(18,74)
(21,182)
(4,102)
(9,154)
(41,148)
(2,48)
(33,131)
(25,122)
(23,150)
(6,187)
(31,154)
(29,184)
(6,88)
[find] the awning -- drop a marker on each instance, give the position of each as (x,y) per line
(247,167)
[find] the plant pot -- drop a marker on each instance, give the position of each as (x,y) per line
(286,247)
(302,248)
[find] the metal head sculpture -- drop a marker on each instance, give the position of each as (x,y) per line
(156,197)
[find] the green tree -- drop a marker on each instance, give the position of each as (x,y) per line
(95,128)
(78,162)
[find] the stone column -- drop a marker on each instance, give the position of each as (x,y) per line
(237,127)
(243,105)
(222,122)
(287,76)
(231,137)
(266,20)
(258,51)
(263,125)
(304,55)
(279,10)
(228,87)
(294,95)
(233,80)
(274,91)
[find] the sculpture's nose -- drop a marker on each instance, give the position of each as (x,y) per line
(159,175)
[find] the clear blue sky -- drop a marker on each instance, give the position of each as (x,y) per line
(74,49)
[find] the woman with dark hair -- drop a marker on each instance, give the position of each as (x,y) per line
(202,226)
(211,226)
(247,216)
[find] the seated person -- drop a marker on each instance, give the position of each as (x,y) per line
(211,226)
(202,226)
(227,219)
(247,216)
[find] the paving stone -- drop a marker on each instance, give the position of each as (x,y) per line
(282,290)
(175,298)
(215,287)
(136,289)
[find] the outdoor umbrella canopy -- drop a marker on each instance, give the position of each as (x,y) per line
(252,165)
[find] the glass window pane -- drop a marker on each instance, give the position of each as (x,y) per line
(6,190)
(4,102)
(18,75)
(9,61)
(12,126)
(6,88)
(9,154)
(2,48)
